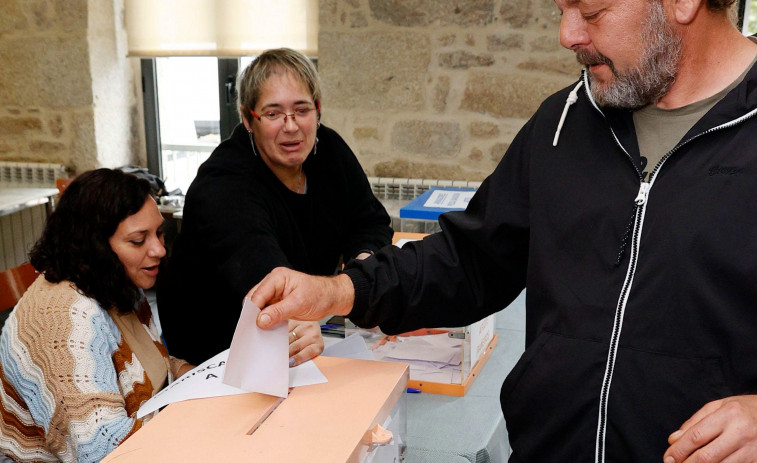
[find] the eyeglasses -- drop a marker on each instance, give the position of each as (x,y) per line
(300,114)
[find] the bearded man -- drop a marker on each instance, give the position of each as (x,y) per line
(627,207)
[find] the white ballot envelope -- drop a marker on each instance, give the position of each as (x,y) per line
(258,359)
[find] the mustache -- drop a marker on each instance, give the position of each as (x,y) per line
(589,58)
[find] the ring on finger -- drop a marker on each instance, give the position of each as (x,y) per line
(294,335)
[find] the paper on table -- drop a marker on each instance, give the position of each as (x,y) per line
(205,381)
(442,340)
(449,199)
(202,381)
(423,371)
(403,241)
(426,353)
(352,347)
(258,359)
(418,348)
(434,358)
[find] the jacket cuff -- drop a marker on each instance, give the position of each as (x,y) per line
(362,288)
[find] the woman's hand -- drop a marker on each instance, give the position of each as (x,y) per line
(305,341)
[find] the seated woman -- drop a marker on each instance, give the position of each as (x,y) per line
(283,190)
(80,352)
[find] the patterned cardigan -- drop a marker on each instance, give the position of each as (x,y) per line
(70,386)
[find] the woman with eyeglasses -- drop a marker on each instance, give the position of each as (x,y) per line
(283,190)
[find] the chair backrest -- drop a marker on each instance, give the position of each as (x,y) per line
(13,283)
(62,184)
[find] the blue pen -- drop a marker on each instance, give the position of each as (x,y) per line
(331,326)
(412,390)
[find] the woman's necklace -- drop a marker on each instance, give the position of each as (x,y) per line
(299,182)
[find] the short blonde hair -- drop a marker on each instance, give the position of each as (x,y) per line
(251,80)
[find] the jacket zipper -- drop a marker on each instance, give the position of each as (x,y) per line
(640,204)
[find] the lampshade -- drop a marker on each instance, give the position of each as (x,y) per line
(220,27)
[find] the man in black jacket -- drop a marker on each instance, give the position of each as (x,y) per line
(626,207)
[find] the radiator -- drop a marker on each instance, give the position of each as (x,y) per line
(409,188)
(18,233)
(30,174)
(394,193)
(21,229)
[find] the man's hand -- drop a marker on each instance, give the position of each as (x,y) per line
(287,294)
(722,430)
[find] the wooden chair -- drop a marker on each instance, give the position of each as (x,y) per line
(13,283)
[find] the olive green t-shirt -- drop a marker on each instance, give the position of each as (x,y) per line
(659,130)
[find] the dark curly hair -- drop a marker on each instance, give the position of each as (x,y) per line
(74,245)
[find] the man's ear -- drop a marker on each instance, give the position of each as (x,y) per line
(685,11)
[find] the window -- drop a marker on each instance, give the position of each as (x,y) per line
(748,10)
(189,108)
(189,116)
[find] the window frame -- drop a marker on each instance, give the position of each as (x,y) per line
(229,117)
(743,14)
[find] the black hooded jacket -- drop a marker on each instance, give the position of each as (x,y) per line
(240,222)
(641,302)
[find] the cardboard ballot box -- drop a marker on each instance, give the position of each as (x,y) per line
(442,360)
(329,422)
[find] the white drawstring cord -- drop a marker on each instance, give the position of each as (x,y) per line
(572,98)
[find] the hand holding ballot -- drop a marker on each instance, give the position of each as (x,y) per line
(287,294)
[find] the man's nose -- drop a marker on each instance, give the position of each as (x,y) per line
(573,33)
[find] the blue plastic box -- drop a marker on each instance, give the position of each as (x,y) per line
(421,214)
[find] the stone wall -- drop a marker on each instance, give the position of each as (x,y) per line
(418,88)
(67,90)
(437,88)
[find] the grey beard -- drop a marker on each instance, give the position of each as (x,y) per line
(656,72)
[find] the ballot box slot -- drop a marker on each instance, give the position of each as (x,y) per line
(265,416)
